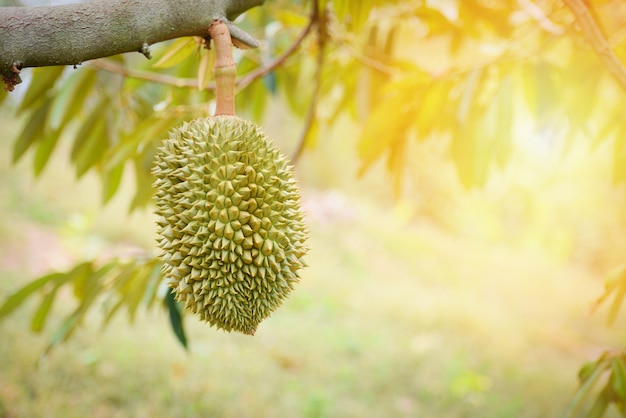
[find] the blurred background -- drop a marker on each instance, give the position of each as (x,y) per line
(461,167)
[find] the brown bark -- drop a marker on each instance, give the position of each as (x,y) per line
(74,33)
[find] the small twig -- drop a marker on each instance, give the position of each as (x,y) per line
(365,59)
(242,83)
(317,80)
(593,34)
(103,64)
(250,77)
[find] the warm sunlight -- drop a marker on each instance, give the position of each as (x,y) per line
(285,208)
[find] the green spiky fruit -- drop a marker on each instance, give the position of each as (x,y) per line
(230,226)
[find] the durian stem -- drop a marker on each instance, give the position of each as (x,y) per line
(225,70)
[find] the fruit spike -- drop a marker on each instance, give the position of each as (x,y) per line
(230,226)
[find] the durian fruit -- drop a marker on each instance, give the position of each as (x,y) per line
(230,227)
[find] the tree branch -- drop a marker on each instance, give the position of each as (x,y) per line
(262,71)
(241,83)
(320,19)
(593,34)
(154,77)
(71,34)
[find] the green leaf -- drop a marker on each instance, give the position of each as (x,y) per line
(132,292)
(91,124)
(205,69)
(388,125)
(80,276)
(601,403)
(71,96)
(92,288)
(143,178)
(586,387)
(64,331)
(253,98)
(33,131)
(17,298)
(586,371)
(93,140)
(618,377)
(354,13)
(38,321)
(111,180)
(619,298)
(150,129)
(295,83)
(44,150)
(134,283)
(154,282)
(176,319)
(178,51)
(43,80)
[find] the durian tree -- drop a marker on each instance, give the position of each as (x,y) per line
(466,73)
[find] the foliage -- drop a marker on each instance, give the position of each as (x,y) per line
(612,364)
(121,284)
(478,76)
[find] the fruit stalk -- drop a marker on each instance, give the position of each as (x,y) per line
(225,70)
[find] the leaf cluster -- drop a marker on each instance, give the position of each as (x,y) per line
(608,373)
(114,285)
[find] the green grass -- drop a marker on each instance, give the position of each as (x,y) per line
(450,329)
(394,317)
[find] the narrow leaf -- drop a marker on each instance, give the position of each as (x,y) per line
(205,70)
(80,276)
(44,150)
(153,283)
(111,182)
(601,404)
(38,321)
(586,388)
(618,377)
(43,79)
(143,180)
(617,301)
(176,319)
(83,135)
(63,332)
(33,130)
(178,51)
(17,298)
(72,91)
(76,105)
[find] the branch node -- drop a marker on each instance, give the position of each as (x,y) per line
(145,50)
(16,67)
(240,38)
(12,77)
